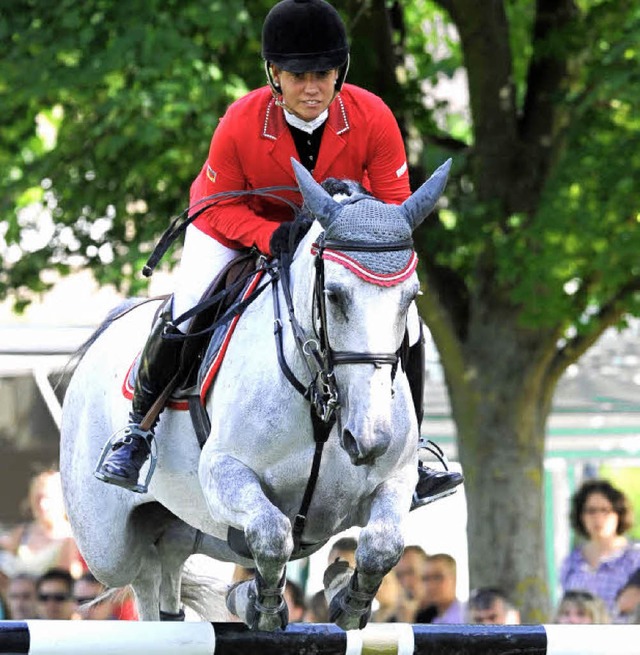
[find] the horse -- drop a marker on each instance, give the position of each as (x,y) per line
(335,373)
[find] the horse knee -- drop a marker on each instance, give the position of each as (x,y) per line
(379,550)
(269,538)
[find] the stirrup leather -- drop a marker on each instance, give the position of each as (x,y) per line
(125,436)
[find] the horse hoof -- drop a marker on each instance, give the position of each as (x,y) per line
(242,600)
(345,617)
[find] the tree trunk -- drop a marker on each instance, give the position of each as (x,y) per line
(500,396)
(506,510)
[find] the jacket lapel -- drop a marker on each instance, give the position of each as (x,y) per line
(332,143)
(282,145)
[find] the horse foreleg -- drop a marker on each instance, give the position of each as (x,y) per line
(235,496)
(380,546)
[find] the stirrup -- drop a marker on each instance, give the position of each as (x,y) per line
(123,435)
(434,449)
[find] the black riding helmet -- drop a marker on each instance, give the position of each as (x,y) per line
(305,35)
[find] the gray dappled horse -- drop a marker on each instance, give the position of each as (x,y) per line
(351,283)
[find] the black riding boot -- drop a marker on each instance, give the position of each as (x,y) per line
(432,485)
(159,362)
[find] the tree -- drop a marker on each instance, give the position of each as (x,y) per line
(534,257)
(531,259)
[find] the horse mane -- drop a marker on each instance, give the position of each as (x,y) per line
(342,190)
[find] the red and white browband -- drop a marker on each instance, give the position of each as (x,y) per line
(381,279)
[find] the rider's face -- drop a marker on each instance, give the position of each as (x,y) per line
(306,95)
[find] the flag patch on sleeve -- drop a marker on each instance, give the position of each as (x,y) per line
(211,174)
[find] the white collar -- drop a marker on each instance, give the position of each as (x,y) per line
(306,126)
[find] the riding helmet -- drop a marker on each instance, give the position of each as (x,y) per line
(305,35)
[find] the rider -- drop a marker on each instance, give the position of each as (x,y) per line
(335,130)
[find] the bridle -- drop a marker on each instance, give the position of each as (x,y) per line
(319,357)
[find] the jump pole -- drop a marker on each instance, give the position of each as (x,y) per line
(39,637)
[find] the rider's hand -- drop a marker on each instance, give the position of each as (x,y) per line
(287,236)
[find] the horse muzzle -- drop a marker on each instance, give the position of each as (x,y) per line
(364,452)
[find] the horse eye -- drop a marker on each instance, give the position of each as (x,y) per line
(331,296)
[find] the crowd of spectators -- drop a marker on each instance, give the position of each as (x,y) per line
(600,577)
(42,574)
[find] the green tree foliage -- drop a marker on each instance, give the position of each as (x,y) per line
(108,108)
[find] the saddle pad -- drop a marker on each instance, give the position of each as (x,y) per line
(216,350)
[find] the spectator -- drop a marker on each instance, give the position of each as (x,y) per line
(491,606)
(294,597)
(600,515)
(627,608)
(577,606)
(410,572)
(22,598)
(344,548)
(440,583)
(46,541)
(390,606)
(85,591)
(55,595)
(317,609)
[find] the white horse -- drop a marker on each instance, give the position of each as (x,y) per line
(352,286)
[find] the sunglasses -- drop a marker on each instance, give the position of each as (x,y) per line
(58,598)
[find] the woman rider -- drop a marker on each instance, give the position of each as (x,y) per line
(335,130)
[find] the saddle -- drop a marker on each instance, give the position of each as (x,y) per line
(214,320)
(204,350)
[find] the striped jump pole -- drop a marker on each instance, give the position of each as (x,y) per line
(195,638)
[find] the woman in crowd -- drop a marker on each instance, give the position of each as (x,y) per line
(601,515)
(581,607)
(44,542)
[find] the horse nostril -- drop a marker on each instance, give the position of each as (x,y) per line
(350,444)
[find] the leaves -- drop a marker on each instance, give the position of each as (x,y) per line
(110,108)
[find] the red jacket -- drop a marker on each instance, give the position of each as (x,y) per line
(252,147)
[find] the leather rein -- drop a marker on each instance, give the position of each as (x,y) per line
(318,355)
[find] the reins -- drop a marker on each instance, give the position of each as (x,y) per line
(180,223)
(319,357)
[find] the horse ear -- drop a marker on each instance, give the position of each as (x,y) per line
(421,203)
(320,203)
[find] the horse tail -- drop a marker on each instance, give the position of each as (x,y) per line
(205,595)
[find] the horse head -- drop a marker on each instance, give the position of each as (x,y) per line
(365,315)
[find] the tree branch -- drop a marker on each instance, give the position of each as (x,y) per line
(546,77)
(484,37)
(608,315)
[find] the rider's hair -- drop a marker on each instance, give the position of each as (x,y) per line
(619,501)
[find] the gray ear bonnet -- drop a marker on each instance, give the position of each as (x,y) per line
(363,219)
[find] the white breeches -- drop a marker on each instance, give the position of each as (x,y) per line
(202,259)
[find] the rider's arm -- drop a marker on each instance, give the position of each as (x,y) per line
(386,158)
(232,222)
